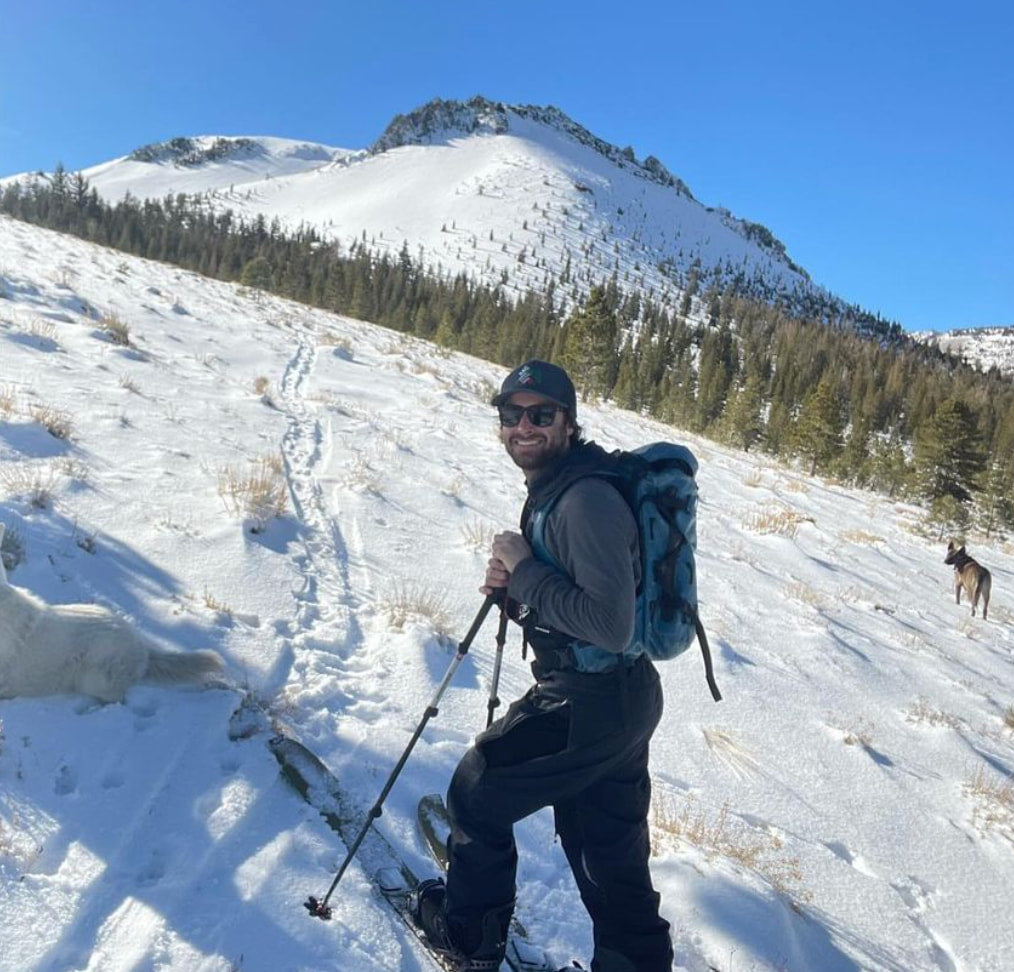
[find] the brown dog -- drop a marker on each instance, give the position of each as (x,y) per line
(971,575)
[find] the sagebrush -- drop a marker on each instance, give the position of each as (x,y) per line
(259,495)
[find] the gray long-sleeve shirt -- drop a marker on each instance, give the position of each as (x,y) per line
(591,532)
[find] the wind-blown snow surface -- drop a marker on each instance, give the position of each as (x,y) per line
(842,809)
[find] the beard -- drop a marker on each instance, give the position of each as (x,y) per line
(539,451)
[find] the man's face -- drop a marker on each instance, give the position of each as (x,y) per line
(534,447)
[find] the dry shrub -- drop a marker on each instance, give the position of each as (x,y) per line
(1008,718)
(1001,614)
(754,479)
(64,275)
(116,329)
(800,591)
(39,328)
(922,712)
(129,384)
(213,604)
(274,462)
(409,599)
(34,482)
(795,486)
(860,734)
(478,535)
(453,486)
(994,803)
(362,476)
(19,850)
(860,537)
(722,836)
(853,593)
(75,470)
(56,422)
(485,391)
(8,401)
(259,496)
(343,347)
(854,732)
(969,626)
(779,520)
(261,385)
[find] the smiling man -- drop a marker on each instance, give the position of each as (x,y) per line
(578,739)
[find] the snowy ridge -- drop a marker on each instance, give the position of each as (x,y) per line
(509,195)
(847,807)
(981,347)
(208,163)
(191,152)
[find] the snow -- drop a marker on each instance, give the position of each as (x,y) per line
(269,158)
(546,197)
(981,347)
(843,808)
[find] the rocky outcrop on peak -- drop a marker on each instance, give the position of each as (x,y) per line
(191,152)
(439,119)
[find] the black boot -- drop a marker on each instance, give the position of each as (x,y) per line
(477,945)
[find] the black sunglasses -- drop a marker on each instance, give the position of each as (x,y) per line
(541,416)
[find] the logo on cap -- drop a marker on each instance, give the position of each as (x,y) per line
(526,377)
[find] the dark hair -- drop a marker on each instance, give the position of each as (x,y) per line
(577,436)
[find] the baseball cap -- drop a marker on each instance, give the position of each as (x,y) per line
(540,378)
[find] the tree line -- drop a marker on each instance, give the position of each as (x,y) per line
(879,411)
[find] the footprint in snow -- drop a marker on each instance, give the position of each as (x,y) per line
(852,859)
(153,871)
(66,781)
(145,709)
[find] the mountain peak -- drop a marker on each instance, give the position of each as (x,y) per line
(438,119)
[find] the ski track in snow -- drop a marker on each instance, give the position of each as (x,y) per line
(328,634)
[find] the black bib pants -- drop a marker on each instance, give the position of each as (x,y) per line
(579,743)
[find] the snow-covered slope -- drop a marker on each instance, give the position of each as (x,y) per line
(207,164)
(983,347)
(494,191)
(848,806)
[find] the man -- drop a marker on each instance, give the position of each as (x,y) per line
(578,739)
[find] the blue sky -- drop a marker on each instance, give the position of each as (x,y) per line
(876,139)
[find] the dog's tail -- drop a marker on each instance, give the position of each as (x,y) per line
(985,584)
(173,667)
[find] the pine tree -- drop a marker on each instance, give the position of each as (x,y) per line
(257,274)
(625,391)
(996,503)
(715,372)
(949,457)
(888,468)
(742,421)
(590,348)
(817,434)
(854,462)
(950,515)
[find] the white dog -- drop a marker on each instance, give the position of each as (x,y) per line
(47,649)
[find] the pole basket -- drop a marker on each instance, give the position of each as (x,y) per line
(317,908)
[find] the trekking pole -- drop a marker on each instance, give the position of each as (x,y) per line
(320,909)
(501,639)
